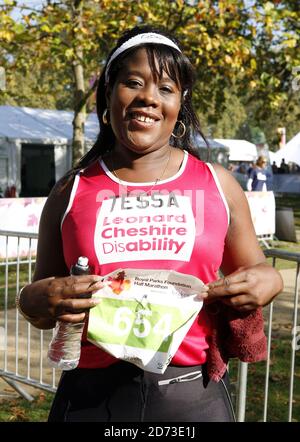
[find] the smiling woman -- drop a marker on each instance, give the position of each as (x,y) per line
(163,209)
(143,109)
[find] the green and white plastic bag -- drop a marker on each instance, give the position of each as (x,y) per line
(144,315)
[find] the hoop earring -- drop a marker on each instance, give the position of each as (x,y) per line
(104,117)
(183,131)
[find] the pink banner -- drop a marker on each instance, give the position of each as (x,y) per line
(19,215)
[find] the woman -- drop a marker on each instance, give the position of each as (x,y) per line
(259,176)
(143,155)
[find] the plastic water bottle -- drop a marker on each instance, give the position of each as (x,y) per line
(65,346)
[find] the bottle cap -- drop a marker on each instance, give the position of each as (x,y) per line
(83,261)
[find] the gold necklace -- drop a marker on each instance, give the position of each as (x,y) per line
(155,182)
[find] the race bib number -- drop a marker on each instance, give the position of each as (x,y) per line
(144,315)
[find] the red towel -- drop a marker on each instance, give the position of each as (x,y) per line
(234,335)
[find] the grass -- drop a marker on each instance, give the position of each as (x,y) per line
(12,279)
(282,264)
(279,382)
(21,410)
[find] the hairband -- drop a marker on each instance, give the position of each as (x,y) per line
(149,37)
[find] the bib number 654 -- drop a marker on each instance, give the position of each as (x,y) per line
(141,323)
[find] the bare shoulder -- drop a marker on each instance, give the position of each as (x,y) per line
(241,245)
(233,192)
(50,258)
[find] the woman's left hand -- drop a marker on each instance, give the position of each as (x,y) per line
(247,288)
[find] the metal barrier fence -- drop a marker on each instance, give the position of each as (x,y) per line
(23,349)
(243,379)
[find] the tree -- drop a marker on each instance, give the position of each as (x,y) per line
(59,37)
(244,52)
(271,100)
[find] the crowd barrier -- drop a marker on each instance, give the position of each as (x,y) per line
(23,348)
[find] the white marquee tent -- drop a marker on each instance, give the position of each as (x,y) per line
(21,126)
(240,150)
(290,152)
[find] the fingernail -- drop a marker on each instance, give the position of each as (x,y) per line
(95,301)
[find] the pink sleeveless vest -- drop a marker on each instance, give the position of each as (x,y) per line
(178,224)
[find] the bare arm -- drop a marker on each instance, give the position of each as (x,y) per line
(250,281)
(54,294)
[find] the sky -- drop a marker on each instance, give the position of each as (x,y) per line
(29,3)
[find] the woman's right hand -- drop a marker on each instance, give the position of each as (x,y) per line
(65,299)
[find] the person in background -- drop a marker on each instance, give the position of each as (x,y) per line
(231,167)
(259,176)
(242,168)
(284,168)
(10,192)
(145,161)
(250,168)
(274,167)
(295,168)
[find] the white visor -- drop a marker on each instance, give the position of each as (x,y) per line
(149,37)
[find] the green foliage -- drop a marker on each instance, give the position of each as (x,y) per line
(245,56)
(41,90)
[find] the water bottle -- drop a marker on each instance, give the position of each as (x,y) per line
(65,346)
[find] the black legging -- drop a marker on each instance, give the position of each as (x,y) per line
(125,393)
